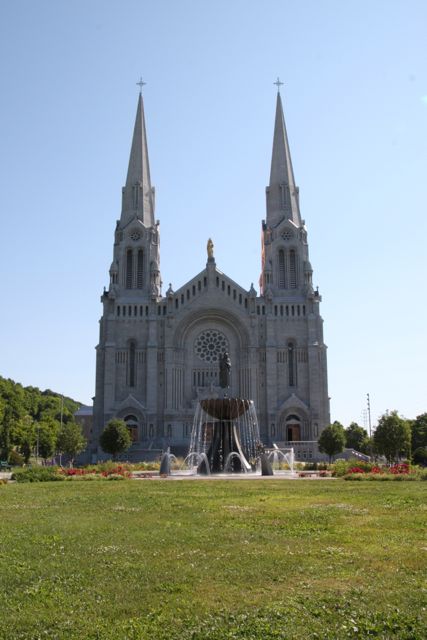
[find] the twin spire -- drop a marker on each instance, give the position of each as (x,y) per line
(282,193)
(138,194)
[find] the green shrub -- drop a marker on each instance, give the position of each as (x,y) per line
(37,474)
(15,459)
(340,468)
(115,476)
(420,456)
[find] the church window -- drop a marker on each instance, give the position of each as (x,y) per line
(287,235)
(151,431)
(146,310)
(129,268)
(291,364)
(210,345)
(263,310)
(164,310)
(217,281)
(159,311)
(182,298)
(298,310)
(176,303)
(257,311)
(303,309)
(281,309)
(141,310)
(205,281)
(135,311)
(129,310)
(293,310)
(169,431)
(135,195)
(228,289)
(118,310)
(240,298)
(292,269)
(287,310)
(246,303)
(140,269)
(194,289)
(188,294)
(275,309)
(199,286)
(124,310)
(132,351)
(135,235)
(223,285)
(234,294)
(282,270)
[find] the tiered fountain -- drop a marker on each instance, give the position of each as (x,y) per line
(225,435)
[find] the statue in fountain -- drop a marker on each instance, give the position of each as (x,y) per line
(224,370)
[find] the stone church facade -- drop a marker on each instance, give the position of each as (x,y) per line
(158,354)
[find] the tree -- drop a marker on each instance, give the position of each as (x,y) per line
(24,437)
(419,456)
(47,434)
(356,437)
(71,440)
(5,433)
(392,436)
(419,431)
(332,440)
(115,438)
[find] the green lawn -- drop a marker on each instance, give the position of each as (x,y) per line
(213,560)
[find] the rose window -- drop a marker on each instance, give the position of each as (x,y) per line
(210,345)
(135,235)
(287,235)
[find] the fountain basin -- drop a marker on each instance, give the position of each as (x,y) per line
(225,409)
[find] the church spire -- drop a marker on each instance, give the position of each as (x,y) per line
(138,195)
(282,194)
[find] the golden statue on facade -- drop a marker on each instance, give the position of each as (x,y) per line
(210,248)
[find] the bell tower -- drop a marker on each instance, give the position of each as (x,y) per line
(286,270)
(135,270)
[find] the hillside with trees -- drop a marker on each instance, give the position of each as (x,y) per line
(31,418)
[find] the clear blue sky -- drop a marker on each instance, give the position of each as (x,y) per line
(355,99)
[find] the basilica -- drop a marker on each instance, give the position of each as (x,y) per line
(158,355)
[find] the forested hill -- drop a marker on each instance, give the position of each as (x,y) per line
(18,401)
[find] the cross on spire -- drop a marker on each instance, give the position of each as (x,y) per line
(278,84)
(141,83)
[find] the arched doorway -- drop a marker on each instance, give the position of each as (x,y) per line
(291,428)
(132,425)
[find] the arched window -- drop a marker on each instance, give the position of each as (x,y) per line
(132,363)
(291,365)
(292,269)
(129,269)
(140,270)
(282,269)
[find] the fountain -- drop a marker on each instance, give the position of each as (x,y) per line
(225,435)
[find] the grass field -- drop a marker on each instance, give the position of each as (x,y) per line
(213,560)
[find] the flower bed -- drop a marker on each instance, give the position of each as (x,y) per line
(398,471)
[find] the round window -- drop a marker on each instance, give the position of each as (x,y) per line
(210,344)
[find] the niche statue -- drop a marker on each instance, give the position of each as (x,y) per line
(224,370)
